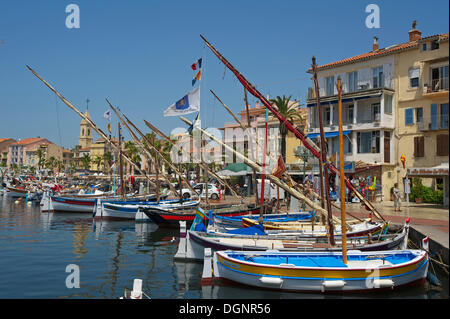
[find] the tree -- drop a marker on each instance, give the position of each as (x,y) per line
(41,160)
(98,160)
(86,161)
(50,163)
(132,151)
(290,112)
(108,160)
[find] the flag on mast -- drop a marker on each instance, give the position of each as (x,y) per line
(189,103)
(197,65)
(197,77)
(107,115)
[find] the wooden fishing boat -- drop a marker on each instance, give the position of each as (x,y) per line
(318,271)
(192,242)
(16,192)
(112,210)
(171,217)
(236,221)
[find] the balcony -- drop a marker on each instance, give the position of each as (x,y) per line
(438,88)
(433,124)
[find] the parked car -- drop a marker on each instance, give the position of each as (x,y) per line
(213,192)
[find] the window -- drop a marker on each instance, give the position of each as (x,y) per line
(348,148)
(419,146)
(327,115)
(376,112)
(388,103)
(439,78)
(414,78)
(444,116)
(442,145)
(368,142)
(350,113)
(352,81)
(424,47)
(435,45)
(409,116)
(330,85)
(419,115)
(378,77)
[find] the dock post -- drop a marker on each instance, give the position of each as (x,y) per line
(182,245)
(137,289)
(207,275)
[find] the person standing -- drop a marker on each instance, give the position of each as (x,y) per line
(397,199)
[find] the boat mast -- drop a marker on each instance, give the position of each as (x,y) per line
(341,168)
(122,184)
(255,180)
(263,175)
(323,152)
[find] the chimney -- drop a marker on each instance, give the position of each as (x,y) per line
(414,34)
(257,104)
(375,44)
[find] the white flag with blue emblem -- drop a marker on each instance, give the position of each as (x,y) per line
(107,115)
(188,104)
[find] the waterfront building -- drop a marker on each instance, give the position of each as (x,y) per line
(371,93)
(4,150)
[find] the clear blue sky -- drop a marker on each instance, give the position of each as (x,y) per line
(138,54)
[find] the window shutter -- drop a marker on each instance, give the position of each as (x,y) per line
(409,117)
(442,145)
(422,146)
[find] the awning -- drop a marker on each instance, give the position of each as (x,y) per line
(328,134)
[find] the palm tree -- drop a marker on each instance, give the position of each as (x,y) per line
(133,152)
(107,159)
(40,155)
(86,161)
(290,112)
(51,163)
(98,161)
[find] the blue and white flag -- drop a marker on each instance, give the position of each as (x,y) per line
(107,115)
(187,104)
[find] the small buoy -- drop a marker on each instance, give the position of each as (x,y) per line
(16,202)
(29,204)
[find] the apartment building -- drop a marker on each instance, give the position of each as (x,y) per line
(373,85)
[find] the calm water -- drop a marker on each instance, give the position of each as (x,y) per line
(35,249)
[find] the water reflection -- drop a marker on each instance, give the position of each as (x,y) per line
(36,247)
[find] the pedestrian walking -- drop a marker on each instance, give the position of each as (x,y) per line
(397,199)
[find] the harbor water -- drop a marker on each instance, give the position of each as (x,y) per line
(38,252)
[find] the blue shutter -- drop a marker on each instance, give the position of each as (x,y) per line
(409,116)
(433,116)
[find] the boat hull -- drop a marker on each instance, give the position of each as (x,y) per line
(168,218)
(78,205)
(364,275)
(193,243)
(15,192)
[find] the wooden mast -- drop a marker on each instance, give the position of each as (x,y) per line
(323,155)
(263,173)
(255,180)
(341,168)
(122,182)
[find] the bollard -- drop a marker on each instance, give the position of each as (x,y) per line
(137,289)
(207,275)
